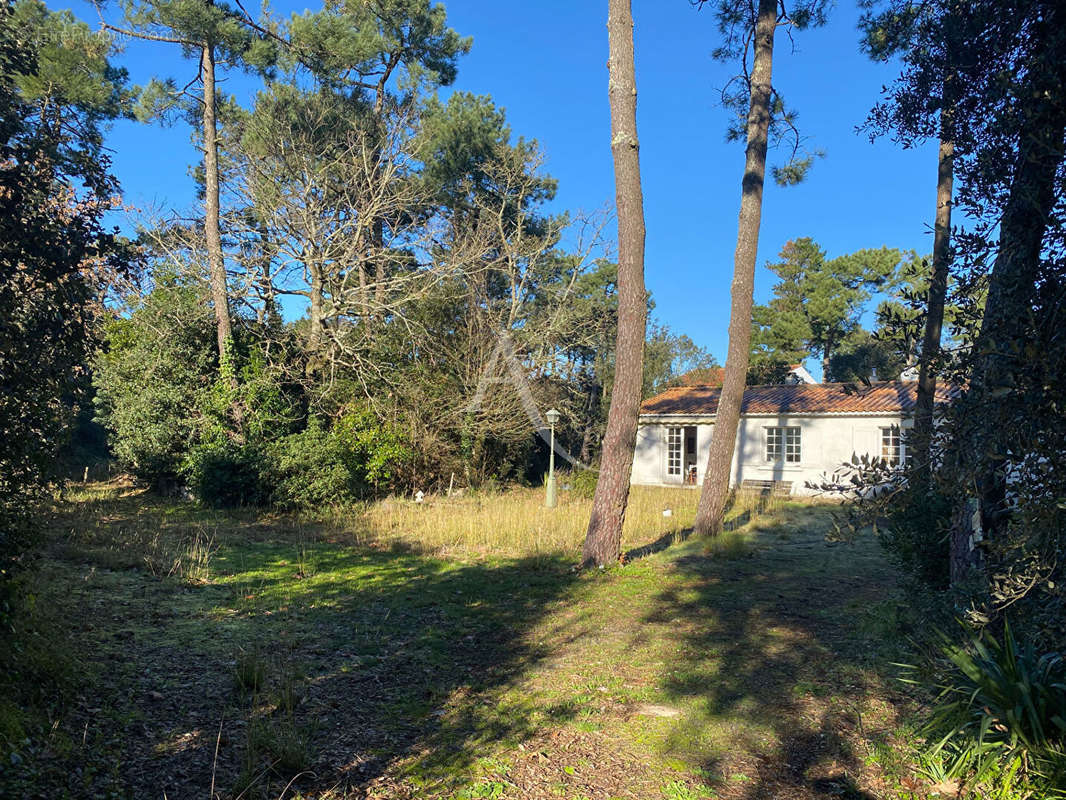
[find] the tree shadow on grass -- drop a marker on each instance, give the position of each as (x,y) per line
(668,539)
(404,661)
(777,673)
(754,505)
(672,538)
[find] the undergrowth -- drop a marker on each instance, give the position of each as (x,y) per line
(998,725)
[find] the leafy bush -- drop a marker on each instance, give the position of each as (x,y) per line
(151,378)
(999,720)
(379,447)
(914,532)
(227,475)
(313,468)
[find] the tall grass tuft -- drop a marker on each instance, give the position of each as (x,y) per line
(187,556)
(278,746)
(729,545)
(249,671)
(999,721)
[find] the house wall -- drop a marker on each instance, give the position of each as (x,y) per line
(826,443)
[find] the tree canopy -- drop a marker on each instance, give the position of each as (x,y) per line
(818,302)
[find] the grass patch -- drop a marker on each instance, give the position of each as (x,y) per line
(729,545)
(518,524)
(450,649)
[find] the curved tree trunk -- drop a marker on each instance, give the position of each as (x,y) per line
(723,439)
(216,264)
(604,535)
(922,437)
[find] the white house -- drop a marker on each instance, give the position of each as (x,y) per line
(789,434)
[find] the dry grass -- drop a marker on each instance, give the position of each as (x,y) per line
(516,523)
(179,539)
(165,545)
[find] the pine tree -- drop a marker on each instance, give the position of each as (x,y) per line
(604,535)
(818,301)
(749,28)
(218,36)
(387,54)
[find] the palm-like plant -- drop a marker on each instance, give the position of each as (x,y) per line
(999,720)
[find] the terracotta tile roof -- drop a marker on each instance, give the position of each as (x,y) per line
(802,398)
(709,376)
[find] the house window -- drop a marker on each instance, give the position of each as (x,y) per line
(783,444)
(673,451)
(892,446)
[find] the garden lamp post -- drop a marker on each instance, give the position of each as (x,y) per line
(551,499)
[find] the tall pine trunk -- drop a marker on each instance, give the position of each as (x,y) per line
(604,535)
(723,439)
(922,437)
(216,265)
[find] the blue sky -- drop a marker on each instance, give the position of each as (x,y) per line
(545,63)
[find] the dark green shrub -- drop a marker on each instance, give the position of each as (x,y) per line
(379,447)
(151,378)
(315,468)
(999,721)
(228,475)
(914,532)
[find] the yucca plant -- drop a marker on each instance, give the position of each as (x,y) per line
(999,720)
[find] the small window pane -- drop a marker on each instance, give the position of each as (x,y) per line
(773,444)
(792,445)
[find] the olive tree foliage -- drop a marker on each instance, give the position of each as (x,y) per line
(57,90)
(999,449)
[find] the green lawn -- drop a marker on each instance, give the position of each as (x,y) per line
(370,669)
